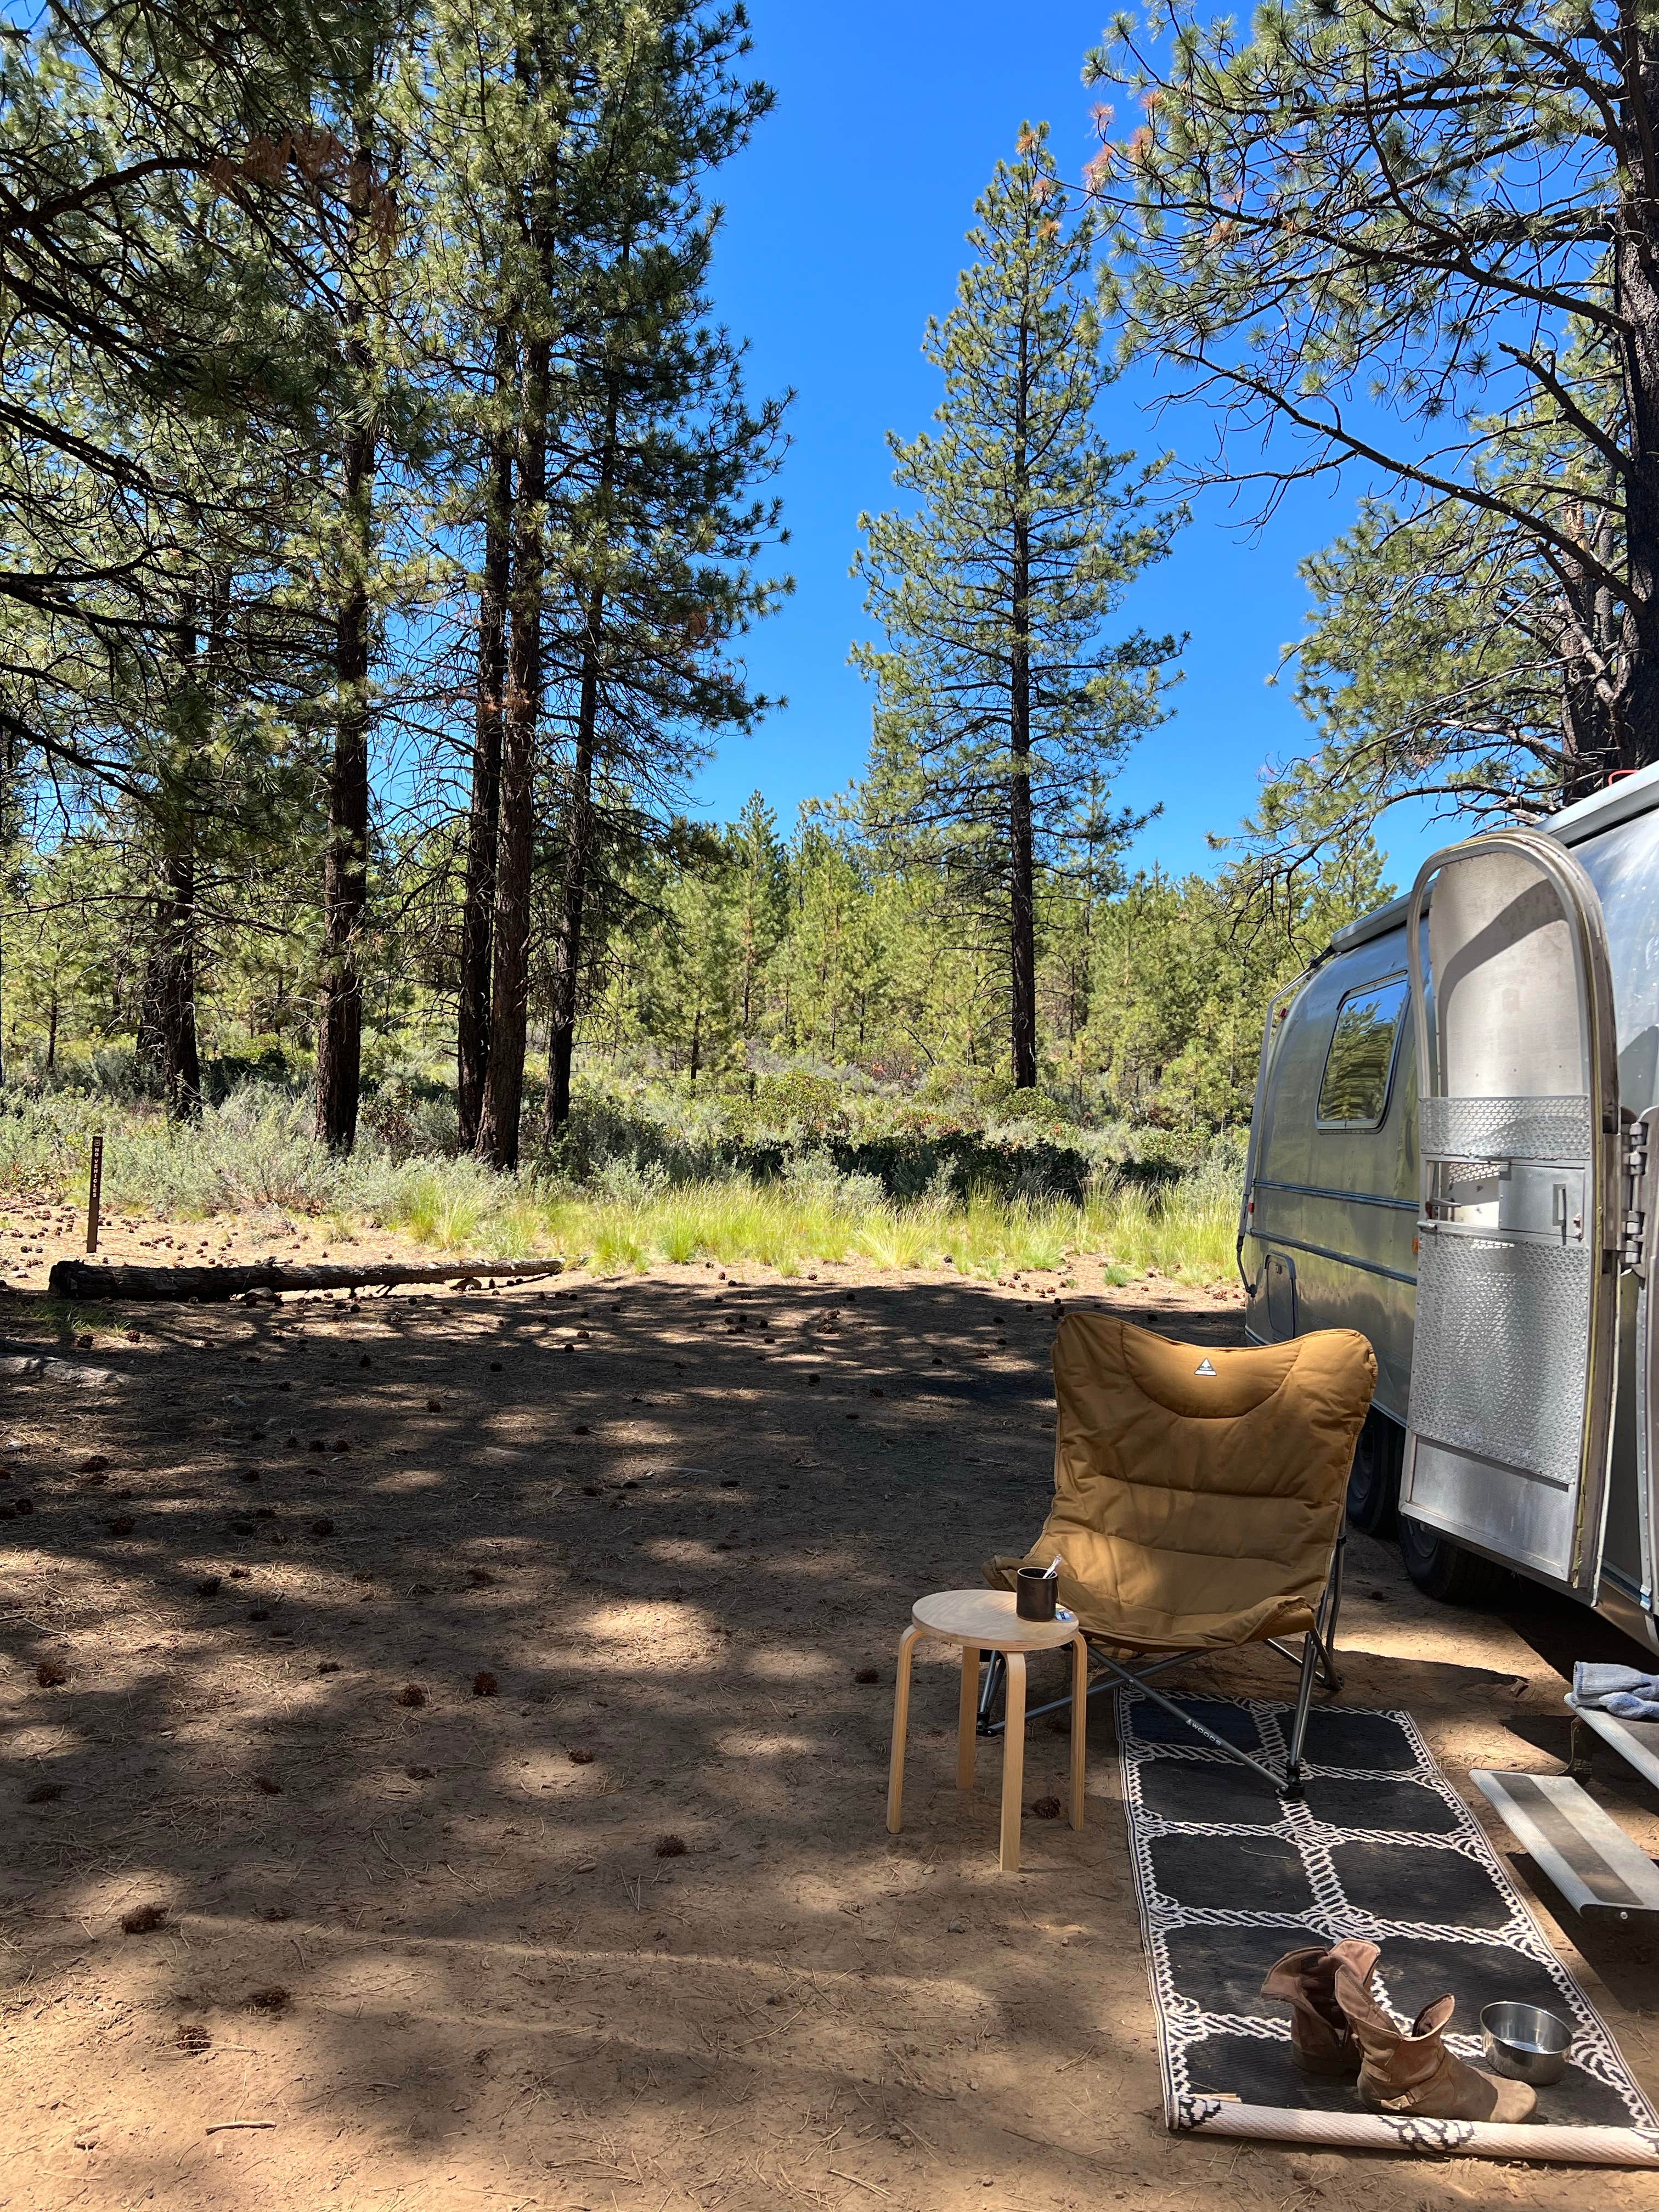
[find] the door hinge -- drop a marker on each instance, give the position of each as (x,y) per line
(1633,1216)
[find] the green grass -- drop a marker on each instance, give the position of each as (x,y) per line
(255,1157)
(1186,1234)
(66,1318)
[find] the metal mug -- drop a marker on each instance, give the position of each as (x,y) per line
(1035,1594)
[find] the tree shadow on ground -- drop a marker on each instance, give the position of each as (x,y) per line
(482,1688)
(494,1691)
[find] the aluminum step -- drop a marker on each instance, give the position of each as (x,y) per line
(1635,1742)
(1589,1857)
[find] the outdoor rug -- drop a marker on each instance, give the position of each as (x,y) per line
(1228,1879)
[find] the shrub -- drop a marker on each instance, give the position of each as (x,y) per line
(788,1174)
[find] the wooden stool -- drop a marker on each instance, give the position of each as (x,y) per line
(985,1620)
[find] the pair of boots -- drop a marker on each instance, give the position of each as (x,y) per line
(1338,2028)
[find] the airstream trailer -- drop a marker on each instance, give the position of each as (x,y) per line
(1450,1151)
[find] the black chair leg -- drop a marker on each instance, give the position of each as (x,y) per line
(1295,1790)
(1328,1612)
(990,1690)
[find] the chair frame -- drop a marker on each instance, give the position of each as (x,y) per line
(1316,1658)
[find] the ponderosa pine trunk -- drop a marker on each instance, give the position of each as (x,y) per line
(483,819)
(567,944)
(1588,646)
(567,939)
(166,1035)
(1636,247)
(166,1042)
(9,774)
(345,859)
(1022,880)
(149,1046)
(1021,884)
(177,922)
(497,1140)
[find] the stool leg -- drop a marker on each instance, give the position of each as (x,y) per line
(1079,1724)
(901,1724)
(1014,1761)
(968,1717)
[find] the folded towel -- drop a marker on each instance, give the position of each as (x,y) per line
(1625,1706)
(1593,1680)
(1623,1692)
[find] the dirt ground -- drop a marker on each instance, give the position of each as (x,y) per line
(489,1692)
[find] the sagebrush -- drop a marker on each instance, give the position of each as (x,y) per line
(637,1183)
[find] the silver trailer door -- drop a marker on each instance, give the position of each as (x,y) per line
(1511,1381)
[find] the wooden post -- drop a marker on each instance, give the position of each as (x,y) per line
(95,1192)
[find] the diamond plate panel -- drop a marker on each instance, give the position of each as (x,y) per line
(1501,1349)
(1504,1128)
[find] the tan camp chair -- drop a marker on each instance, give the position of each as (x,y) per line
(1199,1504)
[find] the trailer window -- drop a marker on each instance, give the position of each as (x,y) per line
(1354,1091)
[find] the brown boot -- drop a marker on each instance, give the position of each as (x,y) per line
(1322,2042)
(1411,2073)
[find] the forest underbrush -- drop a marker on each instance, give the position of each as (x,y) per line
(632,1184)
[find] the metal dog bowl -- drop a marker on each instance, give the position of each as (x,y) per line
(1526,2043)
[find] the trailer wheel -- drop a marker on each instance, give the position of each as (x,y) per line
(1374,1480)
(1445,1571)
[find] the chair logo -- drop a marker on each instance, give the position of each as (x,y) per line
(1204,1368)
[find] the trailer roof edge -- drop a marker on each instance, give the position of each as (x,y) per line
(1392,917)
(1633,794)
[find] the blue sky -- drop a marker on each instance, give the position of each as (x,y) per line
(844,223)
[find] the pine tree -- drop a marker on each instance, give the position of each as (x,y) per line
(489,696)
(1447,658)
(999,702)
(144,179)
(756,869)
(356,239)
(498,98)
(1422,244)
(547,76)
(655,531)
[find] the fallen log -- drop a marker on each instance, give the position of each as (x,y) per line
(80,1279)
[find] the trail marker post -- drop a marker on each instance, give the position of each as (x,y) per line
(94,1193)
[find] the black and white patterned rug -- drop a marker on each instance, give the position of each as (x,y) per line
(1229,1878)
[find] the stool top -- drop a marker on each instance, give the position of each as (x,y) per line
(987,1618)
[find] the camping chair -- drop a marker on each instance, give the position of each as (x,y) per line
(1198,1502)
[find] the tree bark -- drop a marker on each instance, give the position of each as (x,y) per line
(166,1029)
(568,940)
(166,1042)
(1635,250)
(497,1141)
(483,821)
(80,1279)
(579,847)
(181,1065)
(150,1045)
(1021,888)
(345,862)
